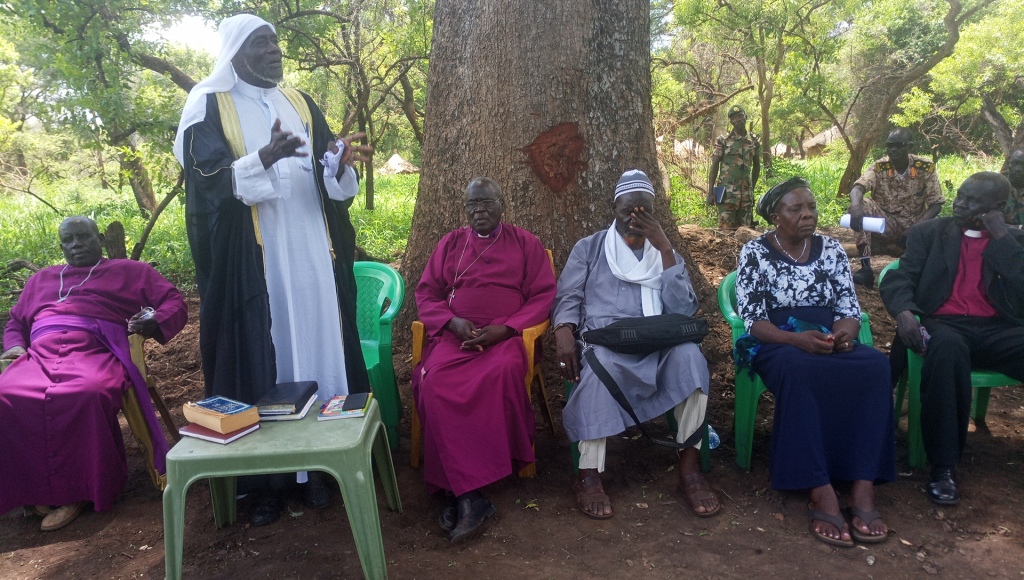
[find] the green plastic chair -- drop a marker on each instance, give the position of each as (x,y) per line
(910,383)
(346,449)
(380,286)
(749,388)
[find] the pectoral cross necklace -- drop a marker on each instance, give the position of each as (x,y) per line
(61,296)
(451,295)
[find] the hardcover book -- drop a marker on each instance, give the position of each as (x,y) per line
(292,416)
(345,406)
(286,398)
(210,413)
(200,432)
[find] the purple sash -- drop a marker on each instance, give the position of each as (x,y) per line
(115,338)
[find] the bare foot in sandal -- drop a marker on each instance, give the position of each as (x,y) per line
(867,524)
(590,495)
(826,521)
(694,487)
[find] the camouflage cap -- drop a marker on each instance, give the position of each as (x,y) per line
(737,110)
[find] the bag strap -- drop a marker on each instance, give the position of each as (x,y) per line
(620,398)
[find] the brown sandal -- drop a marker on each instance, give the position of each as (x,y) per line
(589,490)
(696,490)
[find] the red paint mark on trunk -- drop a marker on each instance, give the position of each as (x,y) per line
(554,156)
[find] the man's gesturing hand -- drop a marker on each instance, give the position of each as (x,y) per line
(282,144)
(354,153)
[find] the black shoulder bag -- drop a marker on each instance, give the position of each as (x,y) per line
(643,335)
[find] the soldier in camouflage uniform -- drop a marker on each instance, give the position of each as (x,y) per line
(735,165)
(1014,171)
(904,189)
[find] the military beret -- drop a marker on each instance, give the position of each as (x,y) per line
(737,110)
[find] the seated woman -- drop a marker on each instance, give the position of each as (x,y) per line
(833,396)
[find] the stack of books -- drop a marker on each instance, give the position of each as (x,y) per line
(287,401)
(220,419)
(345,406)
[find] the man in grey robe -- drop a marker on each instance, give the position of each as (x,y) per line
(629,270)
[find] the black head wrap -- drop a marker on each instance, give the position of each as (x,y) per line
(766,206)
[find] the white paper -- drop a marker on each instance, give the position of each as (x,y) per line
(870,224)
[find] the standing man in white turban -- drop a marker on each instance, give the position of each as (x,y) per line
(268,190)
(629,270)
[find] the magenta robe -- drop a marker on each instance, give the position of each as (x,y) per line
(477,417)
(60,441)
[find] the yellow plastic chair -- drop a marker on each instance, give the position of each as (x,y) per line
(346,449)
(749,388)
(534,375)
(133,412)
(910,384)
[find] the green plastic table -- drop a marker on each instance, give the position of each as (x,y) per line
(343,448)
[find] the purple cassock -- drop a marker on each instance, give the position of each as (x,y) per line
(477,417)
(60,441)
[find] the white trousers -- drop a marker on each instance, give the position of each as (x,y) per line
(689,417)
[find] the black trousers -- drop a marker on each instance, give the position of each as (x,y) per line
(957,344)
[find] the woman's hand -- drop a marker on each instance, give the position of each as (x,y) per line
(813,341)
(844,332)
(565,352)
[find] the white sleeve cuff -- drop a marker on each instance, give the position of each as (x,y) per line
(252,183)
(345,188)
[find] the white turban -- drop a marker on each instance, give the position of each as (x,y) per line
(233,33)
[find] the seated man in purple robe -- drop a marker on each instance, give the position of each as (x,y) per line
(483,285)
(60,440)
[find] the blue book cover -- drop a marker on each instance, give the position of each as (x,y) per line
(223,405)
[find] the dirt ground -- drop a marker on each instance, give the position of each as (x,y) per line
(538,532)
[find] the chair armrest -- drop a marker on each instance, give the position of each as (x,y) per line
(531,334)
(418,333)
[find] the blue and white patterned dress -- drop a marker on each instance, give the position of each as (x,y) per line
(833,413)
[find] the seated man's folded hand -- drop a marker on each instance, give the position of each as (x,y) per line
(462,329)
(488,335)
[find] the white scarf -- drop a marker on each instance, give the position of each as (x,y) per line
(645,272)
(233,33)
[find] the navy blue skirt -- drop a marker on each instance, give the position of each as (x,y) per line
(833,415)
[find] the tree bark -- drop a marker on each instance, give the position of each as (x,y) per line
(550,99)
(138,178)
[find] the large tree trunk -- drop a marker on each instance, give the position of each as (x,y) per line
(552,100)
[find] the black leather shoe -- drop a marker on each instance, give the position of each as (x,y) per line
(472,513)
(266,510)
(865,277)
(316,494)
(449,513)
(943,488)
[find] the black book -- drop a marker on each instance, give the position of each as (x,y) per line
(286,398)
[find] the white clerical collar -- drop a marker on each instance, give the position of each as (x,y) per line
(253,91)
(972,233)
(496,232)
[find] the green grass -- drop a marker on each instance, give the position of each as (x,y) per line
(384,231)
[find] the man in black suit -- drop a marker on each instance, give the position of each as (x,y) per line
(964,277)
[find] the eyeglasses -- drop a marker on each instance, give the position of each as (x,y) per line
(485,204)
